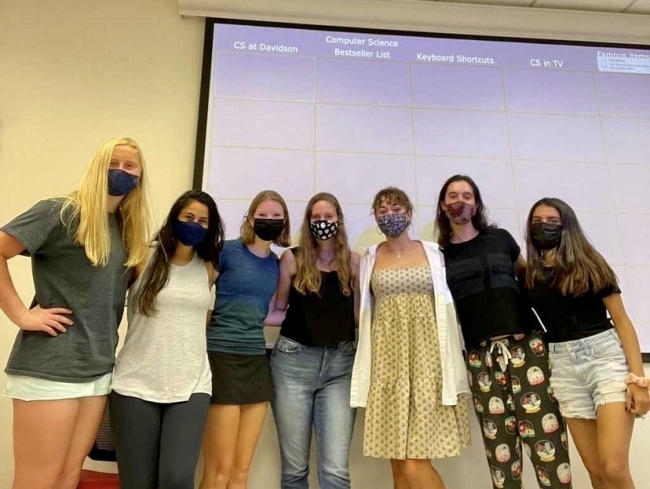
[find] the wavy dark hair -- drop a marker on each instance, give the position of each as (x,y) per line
(579,268)
(479,219)
(156,273)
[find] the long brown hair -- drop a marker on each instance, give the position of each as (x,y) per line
(156,274)
(579,267)
(246,231)
(308,278)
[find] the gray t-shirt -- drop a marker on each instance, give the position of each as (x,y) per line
(64,277)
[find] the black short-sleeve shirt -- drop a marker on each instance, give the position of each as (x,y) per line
(482,281)
(566,317)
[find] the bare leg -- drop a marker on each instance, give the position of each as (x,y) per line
(604,445)
(52,439)
(419,474)
(250,427)
(219,444)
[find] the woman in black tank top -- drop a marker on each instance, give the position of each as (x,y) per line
(313,357)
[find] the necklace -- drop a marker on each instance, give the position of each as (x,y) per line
(398,254)
(323,260)
(401,251)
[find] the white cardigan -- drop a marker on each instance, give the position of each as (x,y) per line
(454,376)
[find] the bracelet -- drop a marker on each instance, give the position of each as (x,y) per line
(635,379)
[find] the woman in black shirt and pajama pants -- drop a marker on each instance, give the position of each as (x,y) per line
(507,363)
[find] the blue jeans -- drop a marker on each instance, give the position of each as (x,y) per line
(312,387)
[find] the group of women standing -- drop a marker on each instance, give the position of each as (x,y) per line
(546,339)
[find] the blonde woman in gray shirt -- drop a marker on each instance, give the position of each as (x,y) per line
(59,372)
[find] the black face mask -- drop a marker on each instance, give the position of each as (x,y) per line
(268,229)
(546,236)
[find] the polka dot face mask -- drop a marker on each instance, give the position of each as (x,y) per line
(323,229)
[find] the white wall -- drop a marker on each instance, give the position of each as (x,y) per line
(73,74)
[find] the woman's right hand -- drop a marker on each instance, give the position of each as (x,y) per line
(51,321)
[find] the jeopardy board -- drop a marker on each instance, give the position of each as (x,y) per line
(304,110)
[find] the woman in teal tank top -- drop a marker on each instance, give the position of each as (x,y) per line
(241,377)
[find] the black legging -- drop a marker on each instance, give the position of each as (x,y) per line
(157,444)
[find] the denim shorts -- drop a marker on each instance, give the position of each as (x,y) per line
(588,373)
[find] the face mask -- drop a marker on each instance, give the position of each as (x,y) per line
(189,233)
(393,225)
(546,236)
(268,229)
(323,229)
(460,212)
(120,182)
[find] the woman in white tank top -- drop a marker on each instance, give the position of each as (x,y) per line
(161,385)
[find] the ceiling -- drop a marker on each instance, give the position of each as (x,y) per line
(618,6)
(612,21)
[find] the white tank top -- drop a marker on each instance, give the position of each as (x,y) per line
(164,358)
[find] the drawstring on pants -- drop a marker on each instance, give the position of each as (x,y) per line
(504,353)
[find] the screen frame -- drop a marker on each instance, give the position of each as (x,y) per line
(206,68)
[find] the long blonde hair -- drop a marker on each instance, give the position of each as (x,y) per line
(247,232)
(89,204)
(308,277)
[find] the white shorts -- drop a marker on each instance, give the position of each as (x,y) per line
(27,388)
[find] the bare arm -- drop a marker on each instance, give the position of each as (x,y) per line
(213,275)
(48,320)
(640,398)
(278,305)
(275,316)
(355,261)
(10,303)
(136,271)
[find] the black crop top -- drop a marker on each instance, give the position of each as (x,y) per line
(568,317)
(320,320)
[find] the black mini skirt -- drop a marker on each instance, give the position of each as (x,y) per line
(239,379)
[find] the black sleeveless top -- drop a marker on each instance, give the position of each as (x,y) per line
(323,319)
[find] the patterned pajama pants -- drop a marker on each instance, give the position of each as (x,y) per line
(515,406)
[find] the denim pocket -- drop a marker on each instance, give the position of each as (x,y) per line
(348,348)
(287,345)
(551,360)
(614,335)
(612,350)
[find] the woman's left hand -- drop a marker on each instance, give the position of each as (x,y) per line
(638,400)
